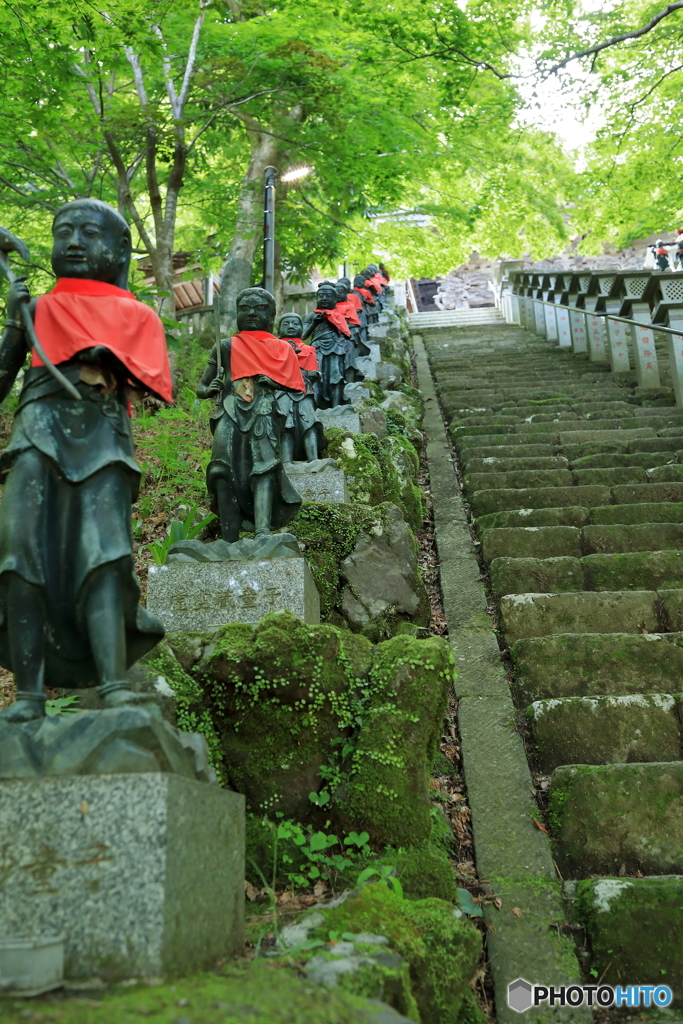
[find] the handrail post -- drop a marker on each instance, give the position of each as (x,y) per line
(674,345)
(577,322)
(617,346)
(644,350)
(597,349)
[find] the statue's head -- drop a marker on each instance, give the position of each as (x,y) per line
(345,281)
(342,291)
(255,310)
(367,273)
(291,326)
(359,281)
(373,267)
(327,295)
(382,267)
(91,240)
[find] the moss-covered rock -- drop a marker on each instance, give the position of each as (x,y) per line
(442,950)
(387,792)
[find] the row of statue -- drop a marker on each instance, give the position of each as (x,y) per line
(70,612)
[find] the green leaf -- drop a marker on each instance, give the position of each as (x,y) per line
(467,904)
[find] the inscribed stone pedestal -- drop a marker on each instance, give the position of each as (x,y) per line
(191,596)
(143,874)
(341,416)
(328,485)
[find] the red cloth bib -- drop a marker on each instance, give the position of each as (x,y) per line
(374,283)
(337,319)
(355,300)
(349,312)
(79,314)
(367,295)
(255,352)
(307,355)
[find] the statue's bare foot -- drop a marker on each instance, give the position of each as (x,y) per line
(23,711)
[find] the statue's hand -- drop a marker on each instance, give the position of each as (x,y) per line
(18,293)
(216,387)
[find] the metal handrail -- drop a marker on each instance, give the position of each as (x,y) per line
(608,316)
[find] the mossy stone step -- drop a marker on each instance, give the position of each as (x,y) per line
(465,444)
(624,611)
(617,539)
(610,477)
(618,914)
(596,664)
(631,570)
(508,499)
(525,451)
(571,515)
(619,819)
(531,542)
(595,433)
(518,478)
(631,494)
(643,512)
(495,464)
(665,474)
(614,460)
(605,730)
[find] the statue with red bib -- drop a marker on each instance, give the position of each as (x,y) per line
(69,599)
(331,338)
(245,478)
(303,436)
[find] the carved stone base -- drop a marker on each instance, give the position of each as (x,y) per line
(143,874)
(189,596)
(318,481)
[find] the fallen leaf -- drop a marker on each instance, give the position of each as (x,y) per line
(497,902)
(250,891)
(539,825)
(516,911)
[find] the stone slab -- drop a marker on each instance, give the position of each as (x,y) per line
(328,485)
(142,873)
(531,542)
(189,596)
(342,416)
(526,615)
(507,499)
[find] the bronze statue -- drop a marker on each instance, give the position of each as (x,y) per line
(245,477)
(69,597)
(355,324)
(303,436)
(331,338)
(367,297)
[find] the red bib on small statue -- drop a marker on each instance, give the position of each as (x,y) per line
(79,314)
(307,355)
(367,294)
(258,352)
(337,319)
(349,312)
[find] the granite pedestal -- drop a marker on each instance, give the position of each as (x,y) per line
(143,874)
(342,416)
(190,596)
(329,484)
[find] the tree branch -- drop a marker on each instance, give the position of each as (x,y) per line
(124,188)
(328,215)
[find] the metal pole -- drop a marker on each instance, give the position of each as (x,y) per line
(269,231)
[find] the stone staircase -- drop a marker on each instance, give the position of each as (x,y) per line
(574,478)
(455,318)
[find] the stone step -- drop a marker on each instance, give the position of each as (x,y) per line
(619,819)
(643,512)
(557,541)
(497,465)
(632,570)
(605,730)
(617,913)
(523,451)
(571,515)
(508,499)
(614,460)
(525,478)
(596,664)
(624,611)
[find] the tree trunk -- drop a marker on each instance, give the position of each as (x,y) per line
(236,274)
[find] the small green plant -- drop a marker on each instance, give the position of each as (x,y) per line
(61,706)
(384,873)
(185,530)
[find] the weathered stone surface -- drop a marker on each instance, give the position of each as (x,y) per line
(486,502)
(496,464)
(665,474)
(646,537)
(143,873)
(610,477)
(388,373)
(531,542)
(539,441)
(373,421)
(407,406)
(634,570)
(535,575)
(382,572)
(597,434)
(629,494)
(326,484)
(194,596)
(611,460)
(645,512)
(518,478)
(114,741)
(526,615)
(671,605)
(601,730)
(591,664)
(572,515)
(618,913)
(618,818)
(257,549)
(345,417)
(528,451)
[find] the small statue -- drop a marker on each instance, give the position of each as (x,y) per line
(68,592)
(374,281)
(355,324)
(303,436)
(367,297)
(331,338)
(245,477)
